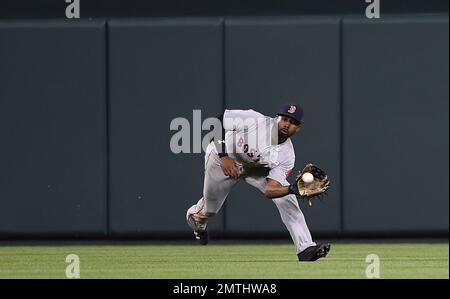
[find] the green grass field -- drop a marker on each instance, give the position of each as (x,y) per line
(404,260)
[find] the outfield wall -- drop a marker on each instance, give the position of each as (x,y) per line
(86,106)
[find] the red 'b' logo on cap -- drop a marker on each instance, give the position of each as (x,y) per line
(292,109)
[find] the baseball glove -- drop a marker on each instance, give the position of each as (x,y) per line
(316,188)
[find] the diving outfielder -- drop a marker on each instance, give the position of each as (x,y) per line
(258,150)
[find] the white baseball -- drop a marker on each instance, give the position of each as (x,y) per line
(307,177)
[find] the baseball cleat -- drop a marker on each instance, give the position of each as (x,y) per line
(200,232)
(202,237)
(313,253)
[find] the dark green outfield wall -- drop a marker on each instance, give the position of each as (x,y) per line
(85,110)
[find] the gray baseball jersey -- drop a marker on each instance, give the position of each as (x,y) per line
(250,139)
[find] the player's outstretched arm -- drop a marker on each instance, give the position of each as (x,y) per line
(274,189)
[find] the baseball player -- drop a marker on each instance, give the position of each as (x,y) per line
(256,149)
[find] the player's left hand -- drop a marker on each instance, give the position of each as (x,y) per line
(316,188)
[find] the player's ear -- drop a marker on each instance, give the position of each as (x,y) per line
(298,129)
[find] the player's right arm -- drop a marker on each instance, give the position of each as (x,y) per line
(229,167)
(228,164)
(233,120)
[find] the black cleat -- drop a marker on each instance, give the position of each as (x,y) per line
(313,253)
(202,237)
(200,232)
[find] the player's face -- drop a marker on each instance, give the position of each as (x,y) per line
(287,126)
